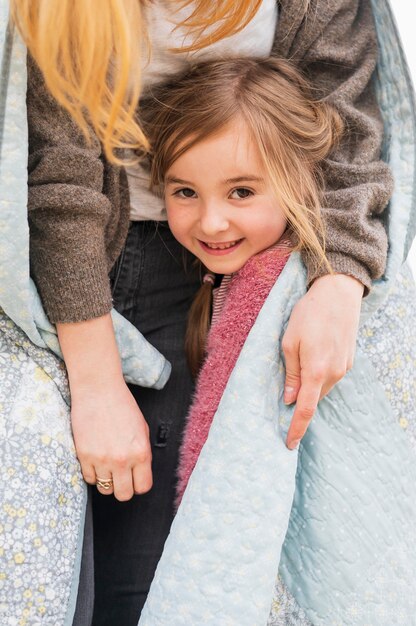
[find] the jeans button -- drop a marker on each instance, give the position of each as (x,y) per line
(162,436)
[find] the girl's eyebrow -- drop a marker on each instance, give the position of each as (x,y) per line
(228,181)
(243,179)
(177,181)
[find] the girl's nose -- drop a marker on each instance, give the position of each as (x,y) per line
(213,218)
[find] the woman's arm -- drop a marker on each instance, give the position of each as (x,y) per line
(110,432)
(69,215)
(334,43)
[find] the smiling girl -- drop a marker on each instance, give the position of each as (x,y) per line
(225,210)
(237,148)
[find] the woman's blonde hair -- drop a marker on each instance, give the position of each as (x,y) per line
(90,53)
(292,130)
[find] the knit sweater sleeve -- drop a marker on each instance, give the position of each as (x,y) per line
(68,212)
(335,46)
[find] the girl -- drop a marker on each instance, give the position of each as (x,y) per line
(238,148)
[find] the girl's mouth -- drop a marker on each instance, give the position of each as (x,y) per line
(220,248)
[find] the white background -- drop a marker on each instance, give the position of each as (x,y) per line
(404,11)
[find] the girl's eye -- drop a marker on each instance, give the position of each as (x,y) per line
(241,193)
(185,192)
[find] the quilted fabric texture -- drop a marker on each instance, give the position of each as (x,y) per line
(338,522)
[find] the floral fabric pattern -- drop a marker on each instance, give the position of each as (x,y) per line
(285,610)
(42,493)
(389,340)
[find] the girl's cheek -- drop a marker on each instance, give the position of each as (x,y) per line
(171,213)
(168,204)
(181,221)
(178,226)
(171,218)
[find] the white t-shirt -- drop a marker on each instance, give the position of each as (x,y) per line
(255,40)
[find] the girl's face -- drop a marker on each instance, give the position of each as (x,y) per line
(220,204)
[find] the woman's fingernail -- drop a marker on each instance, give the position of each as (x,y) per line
(293,444)
(289,395)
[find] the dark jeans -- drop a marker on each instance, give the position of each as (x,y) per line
(85,599)
(154,284)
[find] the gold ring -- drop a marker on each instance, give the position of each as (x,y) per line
(104,483)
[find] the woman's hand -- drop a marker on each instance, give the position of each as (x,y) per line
(112,438)
(110,433)
(319,346)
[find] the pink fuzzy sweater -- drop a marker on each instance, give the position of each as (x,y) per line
(246,292)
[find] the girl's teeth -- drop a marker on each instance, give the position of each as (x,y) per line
(221,246)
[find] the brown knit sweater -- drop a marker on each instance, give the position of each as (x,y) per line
(78,202)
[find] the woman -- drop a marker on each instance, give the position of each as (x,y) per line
(311,43)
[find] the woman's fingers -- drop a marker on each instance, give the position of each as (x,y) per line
(101,477)
(128,476)
(88,472)
(123,484)
(316,381)
(118,477)
(142,478)
(137,480)
(319,345)
(104,480)
(313,388)
(292,361)
(124,480)
(307,401)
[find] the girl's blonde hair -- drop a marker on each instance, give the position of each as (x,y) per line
(90,53)
(292,130)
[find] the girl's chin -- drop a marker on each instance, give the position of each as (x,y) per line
(221,267)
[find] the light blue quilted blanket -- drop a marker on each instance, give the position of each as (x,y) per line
(336,520)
